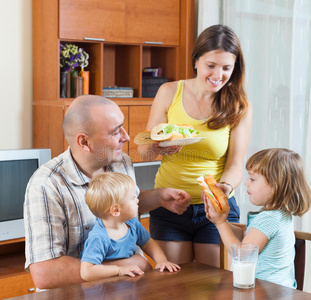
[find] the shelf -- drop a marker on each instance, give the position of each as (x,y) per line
(115,64)
(122,66)
(12,264)
(65,102)
(12,257)
(165,57)
(13,241)
(94,49)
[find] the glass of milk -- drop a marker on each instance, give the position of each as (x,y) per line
(244,259)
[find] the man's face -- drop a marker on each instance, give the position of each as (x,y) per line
(108,134)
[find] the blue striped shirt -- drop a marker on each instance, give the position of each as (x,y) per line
(276,259)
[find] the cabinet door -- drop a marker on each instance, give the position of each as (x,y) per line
(16,286)
(66,145)
(94,19)
(149,21)
(138,118)
(47,127)
(145,223)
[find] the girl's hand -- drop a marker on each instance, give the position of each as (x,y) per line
(212,214)
(171,267)
(130,270)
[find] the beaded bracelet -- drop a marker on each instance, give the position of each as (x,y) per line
(223,182)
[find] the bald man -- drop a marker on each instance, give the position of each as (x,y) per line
(57,219)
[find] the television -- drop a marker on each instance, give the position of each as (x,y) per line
(145,173)
(16,168)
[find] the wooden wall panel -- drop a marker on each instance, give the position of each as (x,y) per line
(125,111)
(186,38)
(138,118)
(47,128)
(45,47)
(16,285)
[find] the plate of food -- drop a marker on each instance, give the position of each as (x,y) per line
(168,135)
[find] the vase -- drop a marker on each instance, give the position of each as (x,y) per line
(63,85)
(68,84)
(78,86)
(73,73)
(85,75)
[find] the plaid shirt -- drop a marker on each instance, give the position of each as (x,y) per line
(57,219)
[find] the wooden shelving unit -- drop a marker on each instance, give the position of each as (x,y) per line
(134,35)
(14,281)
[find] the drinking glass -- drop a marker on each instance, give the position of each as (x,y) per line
(244,259)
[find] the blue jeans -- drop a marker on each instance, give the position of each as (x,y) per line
(192,225)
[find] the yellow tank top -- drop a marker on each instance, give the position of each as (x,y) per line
(209,155)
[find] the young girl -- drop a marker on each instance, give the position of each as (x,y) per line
(277,182)
(111,198)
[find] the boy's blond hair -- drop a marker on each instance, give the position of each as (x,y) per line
(106,190)
(284,171)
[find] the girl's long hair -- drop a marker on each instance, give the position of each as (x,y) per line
(230,103)
(283,170)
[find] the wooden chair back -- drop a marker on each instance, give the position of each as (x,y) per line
(300,256)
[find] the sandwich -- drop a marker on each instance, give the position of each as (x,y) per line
(217,197)
(165,132)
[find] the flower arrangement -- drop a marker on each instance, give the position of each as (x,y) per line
(83,60)
(71,56)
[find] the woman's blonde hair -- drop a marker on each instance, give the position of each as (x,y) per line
(106,190)
(284,171)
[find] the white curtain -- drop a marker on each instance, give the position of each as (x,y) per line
(276,42)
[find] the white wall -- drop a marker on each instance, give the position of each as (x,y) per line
(16,74)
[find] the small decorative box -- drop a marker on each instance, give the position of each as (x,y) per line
(118,92)
(151,85)
(153,71)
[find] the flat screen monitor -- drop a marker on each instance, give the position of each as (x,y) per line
(145,173)
(16,168)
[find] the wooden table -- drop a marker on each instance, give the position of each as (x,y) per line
(193,281)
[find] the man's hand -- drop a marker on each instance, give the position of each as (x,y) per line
(175,200)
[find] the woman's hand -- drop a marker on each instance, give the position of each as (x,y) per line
(225,187)
(150,152)
(166,150)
